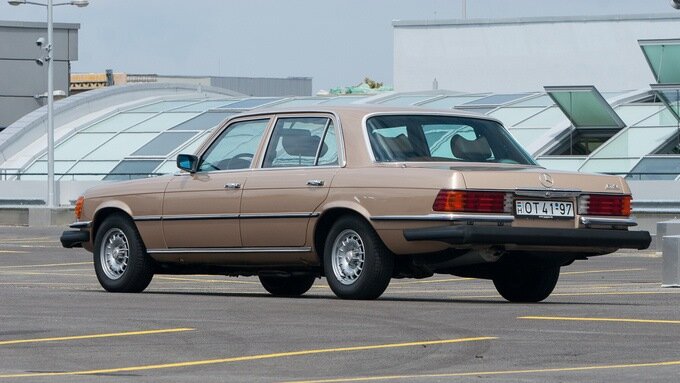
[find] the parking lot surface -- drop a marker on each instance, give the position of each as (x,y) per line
(607,321)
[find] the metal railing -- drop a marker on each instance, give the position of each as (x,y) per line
(14,175)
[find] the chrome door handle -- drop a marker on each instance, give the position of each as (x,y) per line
(315,182)
(232,185)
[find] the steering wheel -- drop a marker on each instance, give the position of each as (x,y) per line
(243,160)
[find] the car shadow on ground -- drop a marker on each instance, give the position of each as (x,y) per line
(386,299)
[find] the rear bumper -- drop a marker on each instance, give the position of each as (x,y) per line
(502,235)
(74,238)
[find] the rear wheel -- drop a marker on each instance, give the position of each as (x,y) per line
(290,286)
(120,259)
(356,262)
(525,281)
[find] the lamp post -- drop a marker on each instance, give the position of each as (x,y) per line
(50,88)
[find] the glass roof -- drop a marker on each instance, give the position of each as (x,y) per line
(207,120)
(405,100)
(497,99)
(656,168)
(251,103)
(147,138)
(670,95)
(510,116)
(585,107)
(449,102)
(663,57)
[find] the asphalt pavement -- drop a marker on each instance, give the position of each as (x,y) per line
(609,320)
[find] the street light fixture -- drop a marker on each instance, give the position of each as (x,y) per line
(49,49)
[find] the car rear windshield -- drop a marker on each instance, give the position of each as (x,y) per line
(396,138)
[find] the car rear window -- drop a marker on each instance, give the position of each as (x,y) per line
(396,138)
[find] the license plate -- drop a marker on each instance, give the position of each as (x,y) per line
(544,209)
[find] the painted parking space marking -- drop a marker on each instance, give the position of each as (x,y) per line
(580,319)
(94,336)
(491,373)
(45,265)
(13,252)
(601,271)
(247,358)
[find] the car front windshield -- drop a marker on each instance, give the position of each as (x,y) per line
(397,138)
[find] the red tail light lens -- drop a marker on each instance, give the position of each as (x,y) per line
(473,201)
(602,204)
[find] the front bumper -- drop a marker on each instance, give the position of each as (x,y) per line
(75,238)
(523,236)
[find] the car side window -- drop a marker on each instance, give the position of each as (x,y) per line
(299,141)
(235,147)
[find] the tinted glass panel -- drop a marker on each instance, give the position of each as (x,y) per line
(664,60)
(77,146)
(585,107)
(656,169)
(204,121)
(510,116)
(235,147)
(164,144)
(442,138)
(295,142)
(132,169)
(39,168)
(498,99)
(90,170)
(670,97)
(547,118)
(203,106)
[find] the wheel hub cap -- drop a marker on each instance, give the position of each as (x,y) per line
(348,256)
(114,253)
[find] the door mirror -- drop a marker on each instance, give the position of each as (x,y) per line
(187,162)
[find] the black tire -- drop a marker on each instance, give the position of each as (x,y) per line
(377,265)
(116,233)
(526,282)
(291,286)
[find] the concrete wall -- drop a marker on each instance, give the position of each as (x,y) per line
(527,54)
(20,78)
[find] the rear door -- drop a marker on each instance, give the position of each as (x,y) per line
(296,172)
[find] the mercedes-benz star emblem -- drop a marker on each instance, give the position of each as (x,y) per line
(546,180)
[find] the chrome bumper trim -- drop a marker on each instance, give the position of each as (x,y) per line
(80,225)
(608,221)
(447,217)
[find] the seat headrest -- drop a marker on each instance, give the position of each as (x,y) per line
(300,142)
(472,150)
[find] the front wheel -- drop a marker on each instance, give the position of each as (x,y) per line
(356,262)
(526,282)
(290,286)
(120,259)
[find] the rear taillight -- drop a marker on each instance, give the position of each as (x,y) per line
(473,201)
(603,204)
(79,207)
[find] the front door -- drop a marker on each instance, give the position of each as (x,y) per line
(201,210)
(284,193)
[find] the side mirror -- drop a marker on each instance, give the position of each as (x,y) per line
(187,162)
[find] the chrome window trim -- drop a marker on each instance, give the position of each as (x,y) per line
(80,225)
(548,193)
(587,220)
(281,215)
(230,250)
(197,217)
(145,218)
(447,217)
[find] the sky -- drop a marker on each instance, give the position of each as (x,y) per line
(336,42)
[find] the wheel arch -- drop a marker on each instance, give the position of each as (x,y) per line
(106,210)
(325,222)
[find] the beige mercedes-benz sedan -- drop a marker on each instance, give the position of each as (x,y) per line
(359,195)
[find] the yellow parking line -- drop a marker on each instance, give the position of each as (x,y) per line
(205,280)
(601,319)
(13,252)
(37,273)
(600,271)
(246,358)
(55,239)
(45,265)
(491,373)
(95,336)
